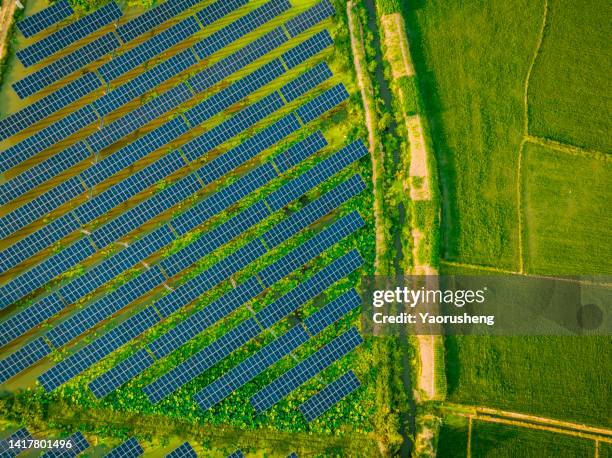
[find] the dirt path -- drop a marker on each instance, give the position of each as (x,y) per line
(6,18)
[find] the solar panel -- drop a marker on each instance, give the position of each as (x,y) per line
(33,243)
(5,447)
(293,455)
(323,103)
(184,451)
(310,17)
(105,307)
(131,153)
(315,210)
(47,137)
(45,18)
(144,82)
(23,321)
(250,368)
(309,289)
(78,445)
(333,393)
(129,449)
(316,175)
(87,356)
(65,65)
(308,48)
(235,92)
(305,82)
(300,151)
(51,267)
(305,370)
(42,172)
(236,454)
(146,51)
(22,359)
(48,105)
(239,28)
(120,374)
(222,69)
(114,265)
(332,312)
(201,361)
(72,33)
(139,117)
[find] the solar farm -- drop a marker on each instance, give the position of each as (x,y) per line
(186,214)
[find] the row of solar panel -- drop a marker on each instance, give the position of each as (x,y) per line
(322,401)
(5,445)
(45,18)
(184,451)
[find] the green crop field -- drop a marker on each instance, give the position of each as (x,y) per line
(566,212)
(569,92)
(453,438)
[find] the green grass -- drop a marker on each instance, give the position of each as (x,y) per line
(500,441)
(570,85)
(453,437)
(557,377)
(472,59)
(567,217)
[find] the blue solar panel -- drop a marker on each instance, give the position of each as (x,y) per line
(37,241)
(329,396)
(116,264)
(316,209)
(240,27)
(43,139)
(332,312)
(42,172)
(235,92)
(323,103)
(184,451)
(121,373)
(316,175)
(223,199)
(233,126)
(48,105)
(72,33)
(308,48)
(144,82)
(310,17)
(236,454)
(149,49)
(146,210)
(22,322)
(305,370)
(87,356)
(237,61)
(139,117)
(105,307)
(305,82)
(40,206)
(66,65)
(23,358)
(131,153)
(309,289)
(5,447)
(201,361)
(293,455)
(129,449)
(215,238)
(250,368)
(45,18)
(313,247)
(51,267)
(78,445)
(247,150)
(300,151)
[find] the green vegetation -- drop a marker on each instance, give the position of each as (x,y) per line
(569,89)
(495,440)
(566,212)
(453,437)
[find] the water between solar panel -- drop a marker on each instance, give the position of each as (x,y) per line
(45,18)
(333,393)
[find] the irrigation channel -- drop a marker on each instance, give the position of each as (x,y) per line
(407,418)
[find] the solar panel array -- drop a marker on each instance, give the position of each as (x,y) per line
(129,449)
(306,81)
(25,320)
(6,451)
(184,451)
(78,444)
(310,47)
(310,17)
(333,393)
(45,18)
(237,454)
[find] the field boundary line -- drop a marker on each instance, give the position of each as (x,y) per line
(568,148)
(479,267)
(469,438)
(519,206)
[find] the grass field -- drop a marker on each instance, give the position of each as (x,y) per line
(569,91)
(566,212)
(472,60)
(453,438)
